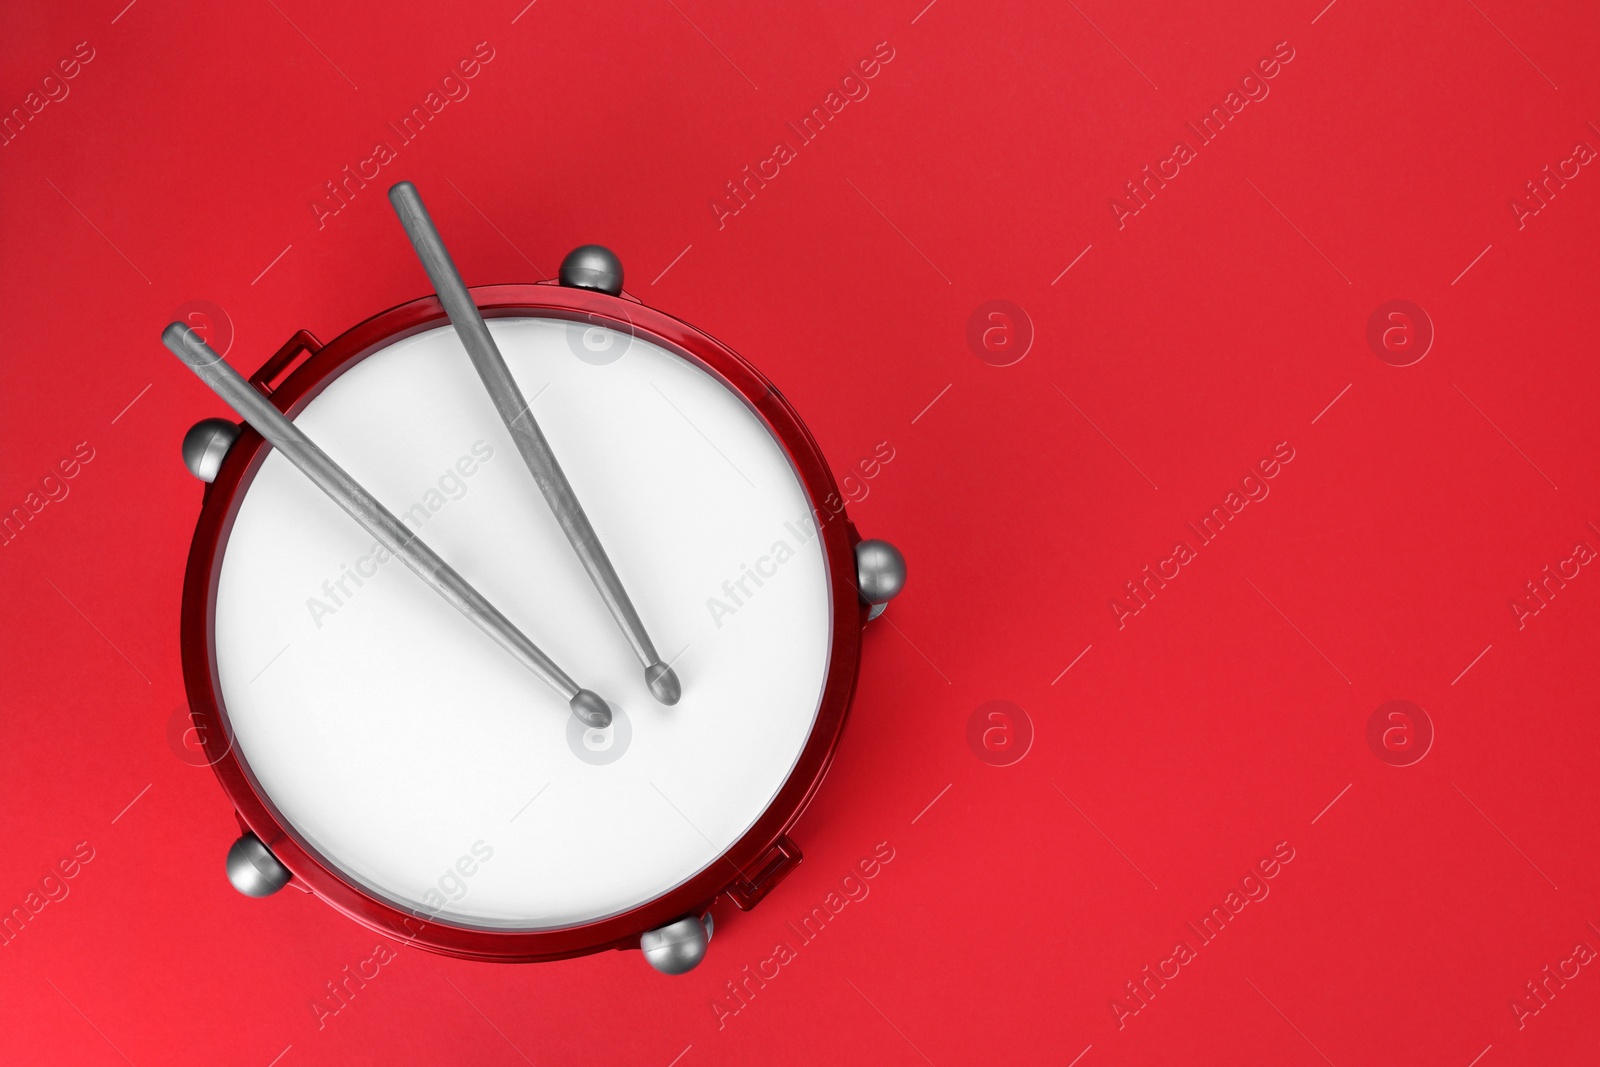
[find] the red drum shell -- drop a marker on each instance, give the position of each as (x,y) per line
(295,375)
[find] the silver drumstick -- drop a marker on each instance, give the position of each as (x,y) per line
(377,520)
(530,441)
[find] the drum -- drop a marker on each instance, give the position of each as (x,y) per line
(384,755)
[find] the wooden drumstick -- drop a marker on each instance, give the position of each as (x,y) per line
(377,520)
(530,440)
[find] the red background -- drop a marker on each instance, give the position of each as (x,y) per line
(1222,319)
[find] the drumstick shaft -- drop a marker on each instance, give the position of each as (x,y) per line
(377,520)
(525,432)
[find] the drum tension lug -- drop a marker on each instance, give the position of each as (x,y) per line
(592,267)
(880,574)
(253,869)
(206,445)
(678,947)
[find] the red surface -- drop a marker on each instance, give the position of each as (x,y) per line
(755,863)
(1222,319)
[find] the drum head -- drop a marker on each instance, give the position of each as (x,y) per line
(410,756)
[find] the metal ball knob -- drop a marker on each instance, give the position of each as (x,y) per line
(206,445)
(253,869)
(592,267)
(880,573)
(678,947)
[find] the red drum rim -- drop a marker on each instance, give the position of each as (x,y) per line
(754,863)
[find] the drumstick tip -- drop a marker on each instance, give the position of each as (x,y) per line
(590,708)
(663,683)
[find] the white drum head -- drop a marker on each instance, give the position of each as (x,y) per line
(414,755)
